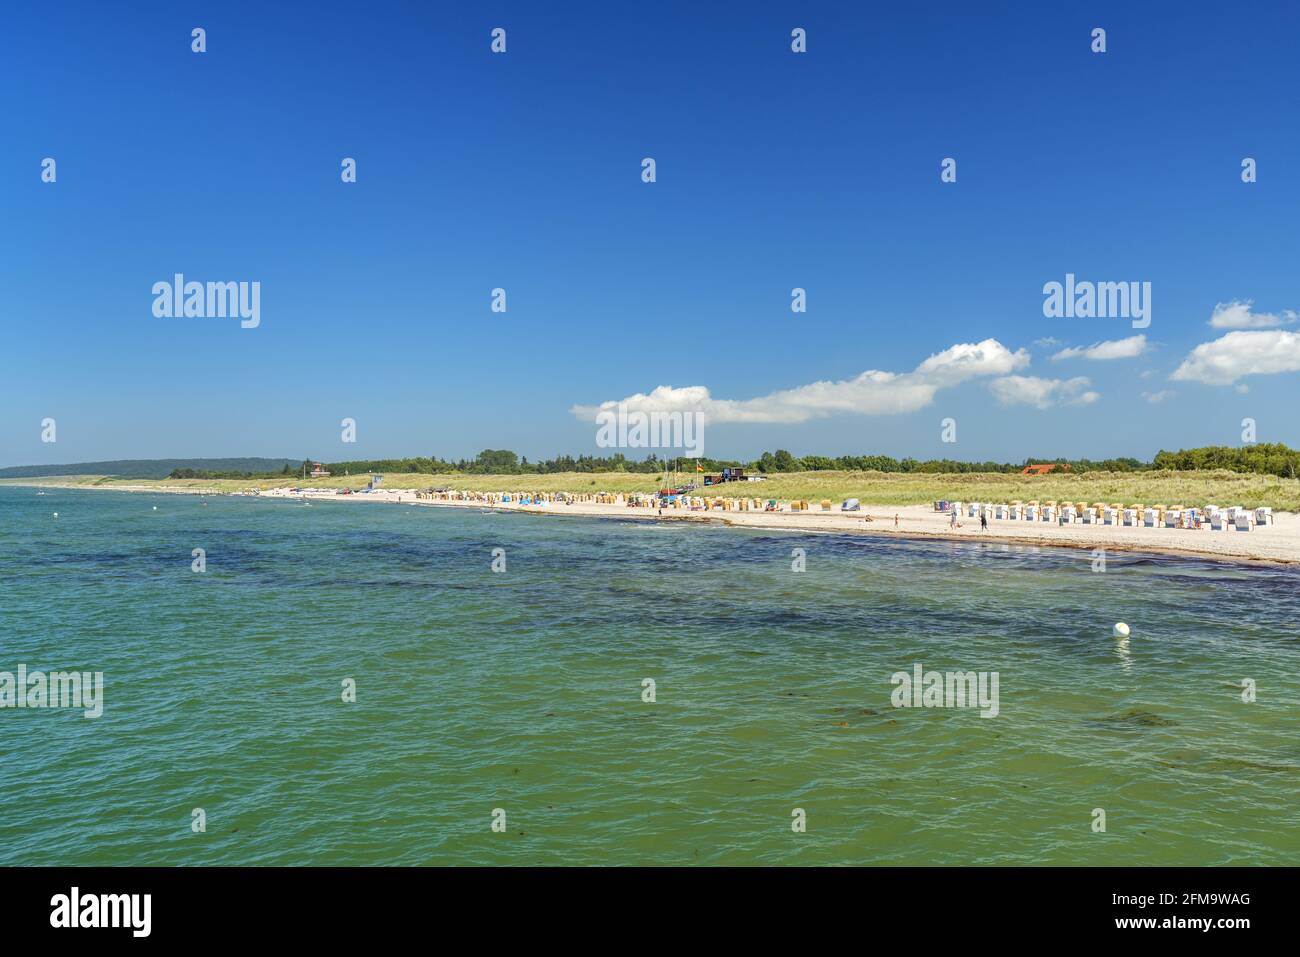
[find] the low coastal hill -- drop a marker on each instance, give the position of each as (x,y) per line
(147,468)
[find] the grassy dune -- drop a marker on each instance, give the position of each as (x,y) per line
(1149,488)
(873,488)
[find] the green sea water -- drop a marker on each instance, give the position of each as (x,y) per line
(522,690)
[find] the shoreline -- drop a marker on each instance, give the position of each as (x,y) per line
(1276,545)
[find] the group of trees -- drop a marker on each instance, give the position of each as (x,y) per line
(505,462)
(1265,459)
(783,461)
(188,473)
(1268,459)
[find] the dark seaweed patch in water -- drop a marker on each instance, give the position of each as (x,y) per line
(1239,764)
(1135,718)
(856,710)
(1217,765)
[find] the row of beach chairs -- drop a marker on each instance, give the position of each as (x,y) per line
(1213,517)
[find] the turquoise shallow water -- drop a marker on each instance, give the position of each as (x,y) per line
(522,691)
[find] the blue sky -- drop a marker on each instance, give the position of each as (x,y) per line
(522,170)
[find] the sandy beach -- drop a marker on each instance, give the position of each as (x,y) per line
(1274,543)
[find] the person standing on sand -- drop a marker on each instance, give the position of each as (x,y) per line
(952,518)
(984,522)
(895,520)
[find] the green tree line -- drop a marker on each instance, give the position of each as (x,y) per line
(1263,459)
(1270,459)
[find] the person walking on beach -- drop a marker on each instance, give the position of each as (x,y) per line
(984,522)
(952,521)
(895,520)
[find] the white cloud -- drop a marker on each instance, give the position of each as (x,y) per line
(1129,348)
(871,393)
(1042,393)
(1237,315)
(1154,397)
(1227,359)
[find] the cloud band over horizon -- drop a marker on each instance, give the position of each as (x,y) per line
(874,392)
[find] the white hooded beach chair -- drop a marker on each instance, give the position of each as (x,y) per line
(1031,513)
(1242,521)
(1263,515)
(1151,517)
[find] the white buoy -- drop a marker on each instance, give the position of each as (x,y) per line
(56,514)
(155,508)
(1120,630)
